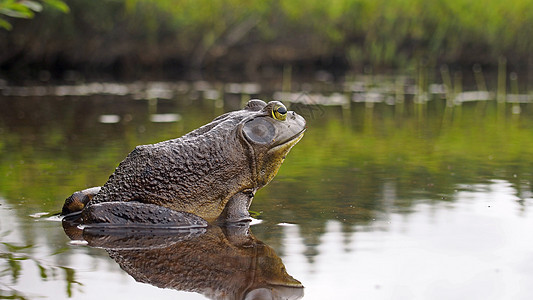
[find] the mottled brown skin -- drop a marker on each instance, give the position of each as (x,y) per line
(212,172)
(220,263)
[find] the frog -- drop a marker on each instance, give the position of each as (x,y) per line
(209,175)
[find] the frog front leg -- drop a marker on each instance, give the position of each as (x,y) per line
(236,209)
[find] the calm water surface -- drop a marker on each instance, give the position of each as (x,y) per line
(411,201)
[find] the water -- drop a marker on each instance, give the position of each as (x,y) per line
(377,201)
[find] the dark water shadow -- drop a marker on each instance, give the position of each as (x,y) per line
(217,262)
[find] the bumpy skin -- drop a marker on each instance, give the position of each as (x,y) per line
(132,213)
(212,172)
(220,263)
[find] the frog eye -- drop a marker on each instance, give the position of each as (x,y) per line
(279,112)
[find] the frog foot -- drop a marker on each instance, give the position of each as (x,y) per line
(77,201)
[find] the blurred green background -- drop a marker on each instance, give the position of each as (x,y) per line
(135,39)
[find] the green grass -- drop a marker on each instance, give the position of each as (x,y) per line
(200,33)
(382,32)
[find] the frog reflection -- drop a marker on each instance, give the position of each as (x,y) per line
(218,262)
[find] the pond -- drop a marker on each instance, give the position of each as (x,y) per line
(380,199)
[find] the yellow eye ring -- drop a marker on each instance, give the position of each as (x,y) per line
(279,112)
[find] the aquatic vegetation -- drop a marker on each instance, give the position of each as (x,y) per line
(254,36)
(12,257)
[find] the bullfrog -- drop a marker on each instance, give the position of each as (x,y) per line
(212,172)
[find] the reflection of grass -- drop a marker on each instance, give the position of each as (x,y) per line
(415,143)
(11,258)
(343,172)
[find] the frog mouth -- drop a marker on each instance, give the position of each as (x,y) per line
(290,142)
(296,138)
